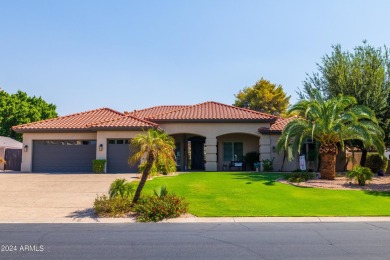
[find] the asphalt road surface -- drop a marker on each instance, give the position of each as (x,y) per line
(369,240)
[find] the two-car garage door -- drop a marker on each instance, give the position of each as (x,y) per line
(63,155)
(77,155)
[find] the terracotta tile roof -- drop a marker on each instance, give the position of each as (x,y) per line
(211,111)
(152,111)
(79,121)
(127,121)
(278,126)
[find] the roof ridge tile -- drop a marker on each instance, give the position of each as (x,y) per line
(121,117)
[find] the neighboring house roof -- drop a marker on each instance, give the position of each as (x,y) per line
(277,127)
(124,122)
(79,121)
(212,111)
(152,111)
(9,142)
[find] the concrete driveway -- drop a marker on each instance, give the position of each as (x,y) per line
(48,198)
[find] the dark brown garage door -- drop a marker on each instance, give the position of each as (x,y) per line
(118,156)
(63,155)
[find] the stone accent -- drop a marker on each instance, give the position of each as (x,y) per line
(211,154)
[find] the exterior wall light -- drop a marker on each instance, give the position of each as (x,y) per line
(274,149)
(26,148)
(101,147)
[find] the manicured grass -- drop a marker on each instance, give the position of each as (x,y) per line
(215,194)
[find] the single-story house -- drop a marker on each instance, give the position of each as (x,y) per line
(11,152)
(209,136)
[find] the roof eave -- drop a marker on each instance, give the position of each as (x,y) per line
(53,130)
(270,132)
(211,120)
(122,128)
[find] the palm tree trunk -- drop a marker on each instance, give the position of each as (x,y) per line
(328,161)
(144,177)
(363,158)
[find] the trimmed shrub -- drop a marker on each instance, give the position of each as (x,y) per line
(112,207)
(300,176)
(268,165)
(121,188)
(360,174)
(376,163)
(153,208)
(98,166)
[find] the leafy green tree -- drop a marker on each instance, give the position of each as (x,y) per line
(331,122)
(154,144)
(363,73)
(264,96)
(19,108)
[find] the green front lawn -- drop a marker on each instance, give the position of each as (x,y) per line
(213,194)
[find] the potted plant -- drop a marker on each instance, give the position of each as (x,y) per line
(251,158)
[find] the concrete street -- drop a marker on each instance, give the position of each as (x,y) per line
(197,241)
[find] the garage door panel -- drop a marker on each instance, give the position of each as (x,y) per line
(63,158)
(118,157)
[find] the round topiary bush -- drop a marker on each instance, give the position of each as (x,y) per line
(376,163)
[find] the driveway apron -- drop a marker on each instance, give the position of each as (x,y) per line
(47,197)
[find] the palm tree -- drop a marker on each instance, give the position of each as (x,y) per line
(331,122)
(156,145)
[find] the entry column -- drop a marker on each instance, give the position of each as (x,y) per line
(211,154)
(265,148)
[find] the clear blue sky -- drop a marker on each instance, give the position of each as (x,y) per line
(82,55)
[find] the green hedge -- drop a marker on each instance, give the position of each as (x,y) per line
(98,166)
(376,163)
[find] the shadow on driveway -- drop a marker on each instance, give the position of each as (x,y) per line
(80,214)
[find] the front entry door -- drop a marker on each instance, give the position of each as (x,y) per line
(197,153)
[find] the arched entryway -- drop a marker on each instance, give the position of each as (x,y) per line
(190,152)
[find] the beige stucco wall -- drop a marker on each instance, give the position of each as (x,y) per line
(29,137)
(212,130)
(278,161)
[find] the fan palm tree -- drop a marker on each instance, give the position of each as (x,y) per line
(155,144)
(331,122)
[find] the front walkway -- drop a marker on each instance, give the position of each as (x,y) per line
(48,198)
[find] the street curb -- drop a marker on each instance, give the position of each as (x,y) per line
(201,220)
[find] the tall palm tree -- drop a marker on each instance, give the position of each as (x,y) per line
(155,144)
(331,122)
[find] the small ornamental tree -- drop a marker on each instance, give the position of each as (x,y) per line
(155,144)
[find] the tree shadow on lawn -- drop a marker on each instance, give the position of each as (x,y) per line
(377,193)
(267,178)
